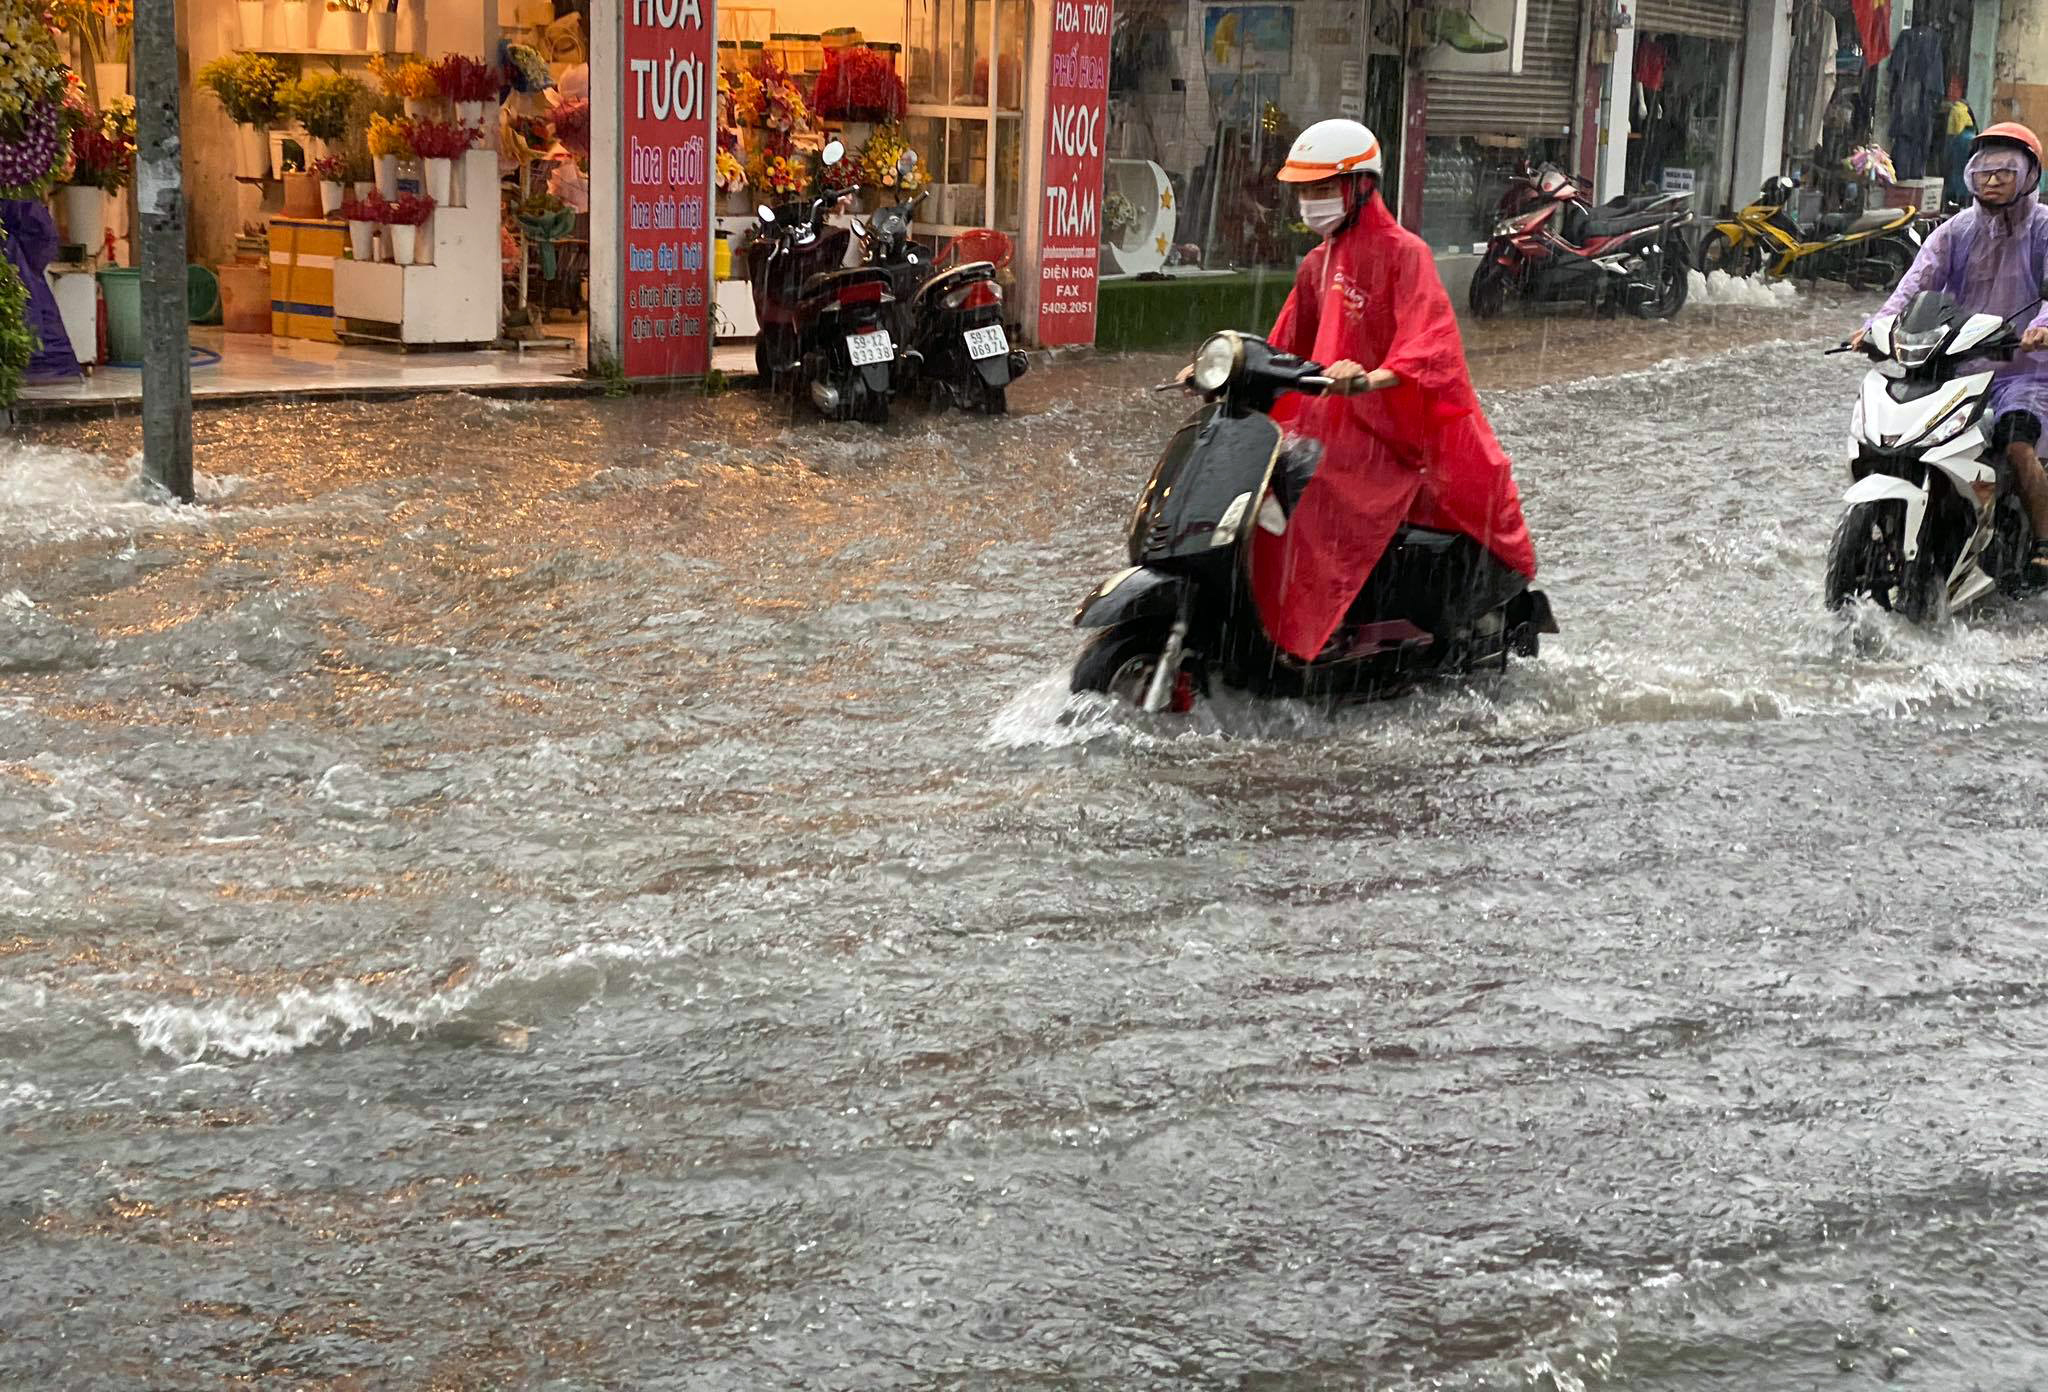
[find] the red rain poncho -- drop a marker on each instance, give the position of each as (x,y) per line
(1418,452)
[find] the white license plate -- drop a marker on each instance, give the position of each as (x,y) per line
(990,342)
(868,349)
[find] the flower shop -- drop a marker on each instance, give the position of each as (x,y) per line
(945,79)
(368,174)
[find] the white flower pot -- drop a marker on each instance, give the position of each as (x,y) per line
(85,216)
(111,79)
(387,175)
(251,12)
(362,240)
(418,107)
(440,175)
(384,31)
(364,187)
(330,196)
(404,242)
(252,152)
(356,24)
(298,24)
(470,113)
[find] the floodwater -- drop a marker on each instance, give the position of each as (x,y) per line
(615,895)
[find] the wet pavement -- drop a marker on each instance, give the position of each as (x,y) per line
(615,895)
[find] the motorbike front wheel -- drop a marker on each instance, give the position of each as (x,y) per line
(1488,294)
(1865,558)
(1119,662)
(1720,252)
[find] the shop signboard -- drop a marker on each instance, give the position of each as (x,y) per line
(1076,105)
(666,147)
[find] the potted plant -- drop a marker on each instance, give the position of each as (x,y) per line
(246,85)
(322,102)
(364,215)
(404,219)
(346,26)
(102,160)
(330,170)
(389,142)
(469,83)
(438,144)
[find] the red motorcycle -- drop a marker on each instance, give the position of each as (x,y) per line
(1551,247)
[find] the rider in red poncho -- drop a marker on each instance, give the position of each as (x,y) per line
(1415,447)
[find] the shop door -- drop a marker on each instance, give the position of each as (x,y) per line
(1704,19)
(965,69)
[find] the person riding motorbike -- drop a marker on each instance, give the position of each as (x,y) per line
(1991,259)
(1413,445)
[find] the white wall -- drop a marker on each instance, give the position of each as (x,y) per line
(1766,69)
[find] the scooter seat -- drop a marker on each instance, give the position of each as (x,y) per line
(1843,224)
(1616,226)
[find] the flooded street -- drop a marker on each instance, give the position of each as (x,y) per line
(615,894)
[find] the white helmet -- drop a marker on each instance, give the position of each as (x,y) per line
(1329,148)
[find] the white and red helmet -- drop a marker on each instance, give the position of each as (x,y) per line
(1328,149)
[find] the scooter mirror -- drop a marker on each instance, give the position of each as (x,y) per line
(834,153)
(766,214)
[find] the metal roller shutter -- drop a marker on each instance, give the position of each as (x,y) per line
(1537,100)
(1706,19)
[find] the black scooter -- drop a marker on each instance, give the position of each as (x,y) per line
(1183,616)
(823,326)
(949,319)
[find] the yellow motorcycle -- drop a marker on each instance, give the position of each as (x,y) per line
(1866,250)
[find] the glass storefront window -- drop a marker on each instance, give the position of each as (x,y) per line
(1463,178)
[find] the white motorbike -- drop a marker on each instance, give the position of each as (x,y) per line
(1935,522)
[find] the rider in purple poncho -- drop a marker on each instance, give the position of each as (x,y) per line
(1991,258)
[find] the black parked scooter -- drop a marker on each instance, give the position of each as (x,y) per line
(1183,616)
(823,326)
(950,320)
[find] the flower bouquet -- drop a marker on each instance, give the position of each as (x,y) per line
(35,119)
(248,87)
(439,144)
(411,81)
(1118,216)
(744,101)
(389,141)
(331,171)
(525,70)
(572,127)
(469,83)
(364,216)
(732,174)
(881,163)
(782,102)
(859,84)
(105,30)
(1873,162)
(405,218)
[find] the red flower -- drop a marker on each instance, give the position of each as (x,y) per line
(859,84)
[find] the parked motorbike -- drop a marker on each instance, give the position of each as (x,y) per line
(1182,616)
(1866,250)
(1549,246)
(1935,522)
(949,318)
(824,327)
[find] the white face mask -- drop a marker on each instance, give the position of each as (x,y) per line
(1323,214)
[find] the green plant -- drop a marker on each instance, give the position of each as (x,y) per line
(323,103)
(246,85)
(17,344)
(603,364)
(716,383)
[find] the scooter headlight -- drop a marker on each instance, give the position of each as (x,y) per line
(1216,362)
(1914,349)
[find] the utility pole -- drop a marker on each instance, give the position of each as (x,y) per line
(160,205)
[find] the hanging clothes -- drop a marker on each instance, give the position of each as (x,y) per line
(1918,81)
(1874,25)
(1823,85)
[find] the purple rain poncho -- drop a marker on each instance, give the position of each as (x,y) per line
(1991,261)
(31,245)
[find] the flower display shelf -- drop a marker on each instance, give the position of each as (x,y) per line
(456,300)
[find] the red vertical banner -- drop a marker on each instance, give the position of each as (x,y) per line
(1076,104)
(669,97)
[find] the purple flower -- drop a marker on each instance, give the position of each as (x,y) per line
(28,161)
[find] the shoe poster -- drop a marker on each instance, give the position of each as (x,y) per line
(1471,36)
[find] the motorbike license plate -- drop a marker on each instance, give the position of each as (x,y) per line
(990,342)
(868,349)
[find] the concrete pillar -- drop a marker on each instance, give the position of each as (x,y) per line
(1621,73)
(2020,72)
(1984,16)
(607,175)
(1766,69)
